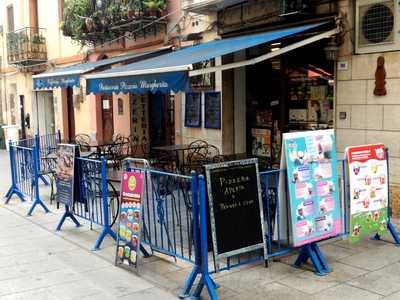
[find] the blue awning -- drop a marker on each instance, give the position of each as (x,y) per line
(157,73)
(70,76)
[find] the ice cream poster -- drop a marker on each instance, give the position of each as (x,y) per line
(312,178)
(368,191)
(129,228)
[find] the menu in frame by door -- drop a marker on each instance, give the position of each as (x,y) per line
(312,178)
(212,110)
(369,190)
(193,109)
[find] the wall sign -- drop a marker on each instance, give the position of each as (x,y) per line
(236,209)
(212,107)
(368,174)
(130,219)
(312,178)
(193,110)
(65,173)
(106,104)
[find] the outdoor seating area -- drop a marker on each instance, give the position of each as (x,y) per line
(175,183)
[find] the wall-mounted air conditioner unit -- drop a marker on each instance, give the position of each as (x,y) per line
(377,26)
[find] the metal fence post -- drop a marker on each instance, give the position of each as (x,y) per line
(185,292)
(391,227)
(206,279)
(36,174)
(38,147)
(13,188)
(104,198)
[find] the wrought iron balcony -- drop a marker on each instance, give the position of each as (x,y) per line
(26,47)
(207,6)
(95,22)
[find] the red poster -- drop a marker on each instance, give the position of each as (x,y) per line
(129,229)
(368,176)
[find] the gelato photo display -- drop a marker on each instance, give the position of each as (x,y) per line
(310,159)
(368,174)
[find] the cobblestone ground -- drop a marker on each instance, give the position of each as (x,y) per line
(38,263)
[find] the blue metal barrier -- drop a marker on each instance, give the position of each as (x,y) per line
(24,165)
(167,218)
(47,144)
(278,245)
(96,200)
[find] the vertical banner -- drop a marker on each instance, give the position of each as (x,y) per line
(65,174)
(312,178)
(368,176)
(130,217)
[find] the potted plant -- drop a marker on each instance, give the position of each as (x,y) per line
(154,7)
(134,8)
(35,43)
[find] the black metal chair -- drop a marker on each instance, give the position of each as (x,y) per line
(83,141)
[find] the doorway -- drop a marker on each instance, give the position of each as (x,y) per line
(70,115)
(161,123)
(107,117)
(22,114)
(43,113)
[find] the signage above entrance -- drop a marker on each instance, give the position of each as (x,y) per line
(162,82)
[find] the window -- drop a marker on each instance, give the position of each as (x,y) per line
(10,18)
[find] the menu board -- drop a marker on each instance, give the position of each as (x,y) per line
(130,216)
(310,159)
(212,107)
(193,110)
(236,210)
(261,144)
(368,176)
(65,173)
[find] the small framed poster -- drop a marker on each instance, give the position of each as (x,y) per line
(66,177)
(212,107)
(193,109)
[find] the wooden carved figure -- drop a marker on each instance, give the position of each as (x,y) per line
(380,76)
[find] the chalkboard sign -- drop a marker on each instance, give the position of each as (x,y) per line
(193,110)
(236,209)
(212,107)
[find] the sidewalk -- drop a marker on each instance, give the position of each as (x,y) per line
(38,263)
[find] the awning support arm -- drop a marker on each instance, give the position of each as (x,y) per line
(267,56)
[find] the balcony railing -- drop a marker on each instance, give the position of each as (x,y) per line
(207,6)
(26,47)
(97,22)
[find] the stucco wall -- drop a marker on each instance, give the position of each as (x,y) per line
(122,122)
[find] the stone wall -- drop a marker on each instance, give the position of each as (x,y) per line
(369,119)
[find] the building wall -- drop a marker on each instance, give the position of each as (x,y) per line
(58,47)
(201,23)
(122,121)
(369,119)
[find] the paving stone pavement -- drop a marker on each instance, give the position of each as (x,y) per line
(38,263)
